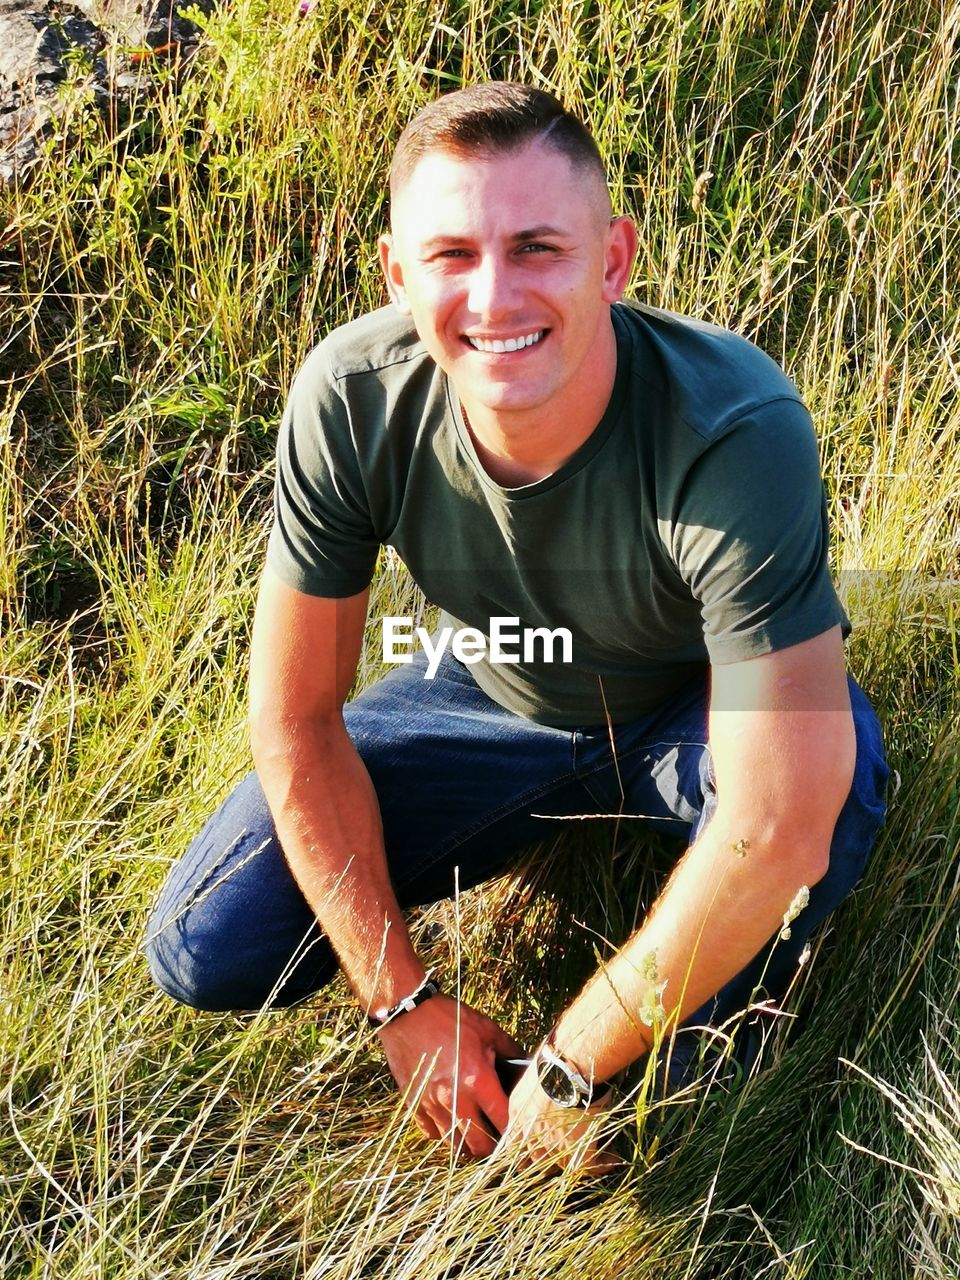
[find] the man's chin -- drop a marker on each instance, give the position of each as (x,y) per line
(506,398)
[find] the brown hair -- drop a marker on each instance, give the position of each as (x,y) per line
(497,116)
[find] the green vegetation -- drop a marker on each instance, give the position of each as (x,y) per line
(793,168)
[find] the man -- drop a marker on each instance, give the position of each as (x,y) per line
(537,451)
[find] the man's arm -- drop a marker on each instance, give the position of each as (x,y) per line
(304,659)
(783,745)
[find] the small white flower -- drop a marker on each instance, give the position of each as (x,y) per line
(651,1010)
(800,900)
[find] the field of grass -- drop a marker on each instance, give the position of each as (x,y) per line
(793,169)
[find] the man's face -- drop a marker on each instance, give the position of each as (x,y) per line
(507,263)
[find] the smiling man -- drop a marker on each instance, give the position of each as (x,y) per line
(545,458)
(525,329)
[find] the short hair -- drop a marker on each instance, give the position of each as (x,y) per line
(497,116)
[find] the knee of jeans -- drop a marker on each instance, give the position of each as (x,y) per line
(182,972)
(202,971)
(207,975)
(863,812)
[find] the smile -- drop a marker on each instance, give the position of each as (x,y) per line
(497,346)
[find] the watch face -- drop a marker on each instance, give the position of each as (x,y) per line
(558,1086)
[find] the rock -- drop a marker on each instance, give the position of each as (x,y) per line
(40,38)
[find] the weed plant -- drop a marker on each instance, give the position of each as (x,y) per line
(793,169)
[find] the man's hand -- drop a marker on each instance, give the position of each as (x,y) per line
(784,748)
(458,1047)
(554,1137)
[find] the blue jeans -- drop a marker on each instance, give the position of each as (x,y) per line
(459,782)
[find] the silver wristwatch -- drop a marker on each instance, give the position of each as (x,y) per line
(563,1083)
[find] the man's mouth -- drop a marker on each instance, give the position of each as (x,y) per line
(497,346)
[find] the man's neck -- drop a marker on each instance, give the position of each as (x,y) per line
(507,470)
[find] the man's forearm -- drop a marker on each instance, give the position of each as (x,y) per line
(721,905)
(328,821)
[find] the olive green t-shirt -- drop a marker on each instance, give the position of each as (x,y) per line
(689,529)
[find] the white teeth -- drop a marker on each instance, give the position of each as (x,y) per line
(497,346)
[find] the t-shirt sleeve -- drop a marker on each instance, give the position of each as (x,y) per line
(751,537)
(322,541)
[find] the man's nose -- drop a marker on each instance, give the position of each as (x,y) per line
(491,287)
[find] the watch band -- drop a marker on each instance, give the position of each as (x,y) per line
(427,988)
(562,1082)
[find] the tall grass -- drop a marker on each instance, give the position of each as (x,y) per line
(793,171)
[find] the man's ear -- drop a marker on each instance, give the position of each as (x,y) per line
(393,274)
(618,258)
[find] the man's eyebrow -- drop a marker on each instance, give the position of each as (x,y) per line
(443,242)
(543,232)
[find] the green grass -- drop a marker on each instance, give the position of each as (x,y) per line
(793,171)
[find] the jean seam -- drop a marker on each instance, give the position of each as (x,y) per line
(529,796)
(630,752)
(647,746)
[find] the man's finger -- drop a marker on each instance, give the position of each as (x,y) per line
(476,1133)
(436,1117)
(427,1125)
(492,1100)
(505,1046)
(466,1130)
